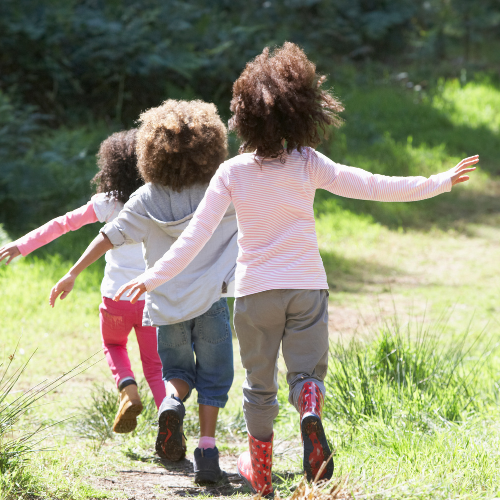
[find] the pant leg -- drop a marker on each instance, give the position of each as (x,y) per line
(259,320)
(213,346)
(151,364)
(305,342)
(175,349)
(116,324)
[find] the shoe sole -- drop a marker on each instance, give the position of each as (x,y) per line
(169,433)
(203,477)
(252,489)
(247,482)
(127,421)
(316,449)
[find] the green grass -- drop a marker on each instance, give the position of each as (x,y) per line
(413,403)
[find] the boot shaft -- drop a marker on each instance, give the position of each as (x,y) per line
(130,393)
(310,400)
(255,465)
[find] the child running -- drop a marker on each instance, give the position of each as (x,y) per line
(281,293)
(116,180)
(180,145)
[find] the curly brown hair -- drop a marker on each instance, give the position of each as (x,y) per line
(117,161)
(181,143)
(279,96)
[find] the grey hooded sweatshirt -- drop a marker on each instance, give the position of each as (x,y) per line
(156,216)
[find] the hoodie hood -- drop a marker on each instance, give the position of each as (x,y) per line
(170,210)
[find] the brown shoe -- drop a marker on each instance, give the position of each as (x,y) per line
(130,407)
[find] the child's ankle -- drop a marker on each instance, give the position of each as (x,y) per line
(206,442)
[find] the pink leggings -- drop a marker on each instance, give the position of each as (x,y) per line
(117,320)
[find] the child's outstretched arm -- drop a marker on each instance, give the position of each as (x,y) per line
(99,246)
(352,182)
(48,232)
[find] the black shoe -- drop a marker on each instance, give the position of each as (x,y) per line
(206,466)
(171,443)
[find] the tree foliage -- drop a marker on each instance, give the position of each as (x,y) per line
(115,58)
(72,64)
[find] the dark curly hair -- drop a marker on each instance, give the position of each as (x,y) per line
(181,143)
(117,161)
(279,96)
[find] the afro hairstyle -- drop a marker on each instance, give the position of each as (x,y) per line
(117,161)
(279,96)
(181,143)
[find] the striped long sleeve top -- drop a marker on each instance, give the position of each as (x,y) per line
(273,198)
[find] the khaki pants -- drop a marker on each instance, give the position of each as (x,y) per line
(295,319)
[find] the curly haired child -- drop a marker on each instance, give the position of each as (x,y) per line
(180,145)
(278,108)
(116,180)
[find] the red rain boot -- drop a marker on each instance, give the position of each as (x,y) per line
(316,449)
(254,466)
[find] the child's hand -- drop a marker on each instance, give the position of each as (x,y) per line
(462,168)
(136,290)
(63,287)
(11,251)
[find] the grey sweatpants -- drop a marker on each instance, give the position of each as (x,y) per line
(295,319)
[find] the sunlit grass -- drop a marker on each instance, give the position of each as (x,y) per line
(473,105)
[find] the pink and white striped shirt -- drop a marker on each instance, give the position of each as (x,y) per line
(278,248)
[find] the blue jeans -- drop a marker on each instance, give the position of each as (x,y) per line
(208,337)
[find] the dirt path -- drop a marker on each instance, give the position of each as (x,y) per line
(166,480)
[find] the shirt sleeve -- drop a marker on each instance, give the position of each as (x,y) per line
(106,206)
(352,182)
(56,227)
(205,220)
(131,225)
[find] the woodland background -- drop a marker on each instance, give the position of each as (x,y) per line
(73,71)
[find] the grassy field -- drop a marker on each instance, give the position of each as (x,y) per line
(413,387)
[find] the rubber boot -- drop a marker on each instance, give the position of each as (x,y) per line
(316,449)
(255,466)
(130,407)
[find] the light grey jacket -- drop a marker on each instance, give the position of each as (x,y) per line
(156,216)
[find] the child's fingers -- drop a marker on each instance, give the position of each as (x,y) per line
(474,158)
(465,171)
(466,162)
(53,296)
(462,179)
(65,294)
(137,294)
(121,291)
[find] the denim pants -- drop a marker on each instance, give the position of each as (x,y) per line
(200,352)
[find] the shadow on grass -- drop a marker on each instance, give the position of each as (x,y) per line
(351,275)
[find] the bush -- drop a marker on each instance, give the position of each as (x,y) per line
(43,173)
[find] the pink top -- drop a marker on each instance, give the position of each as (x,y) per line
(122,263)
(56,227)
(278,248)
